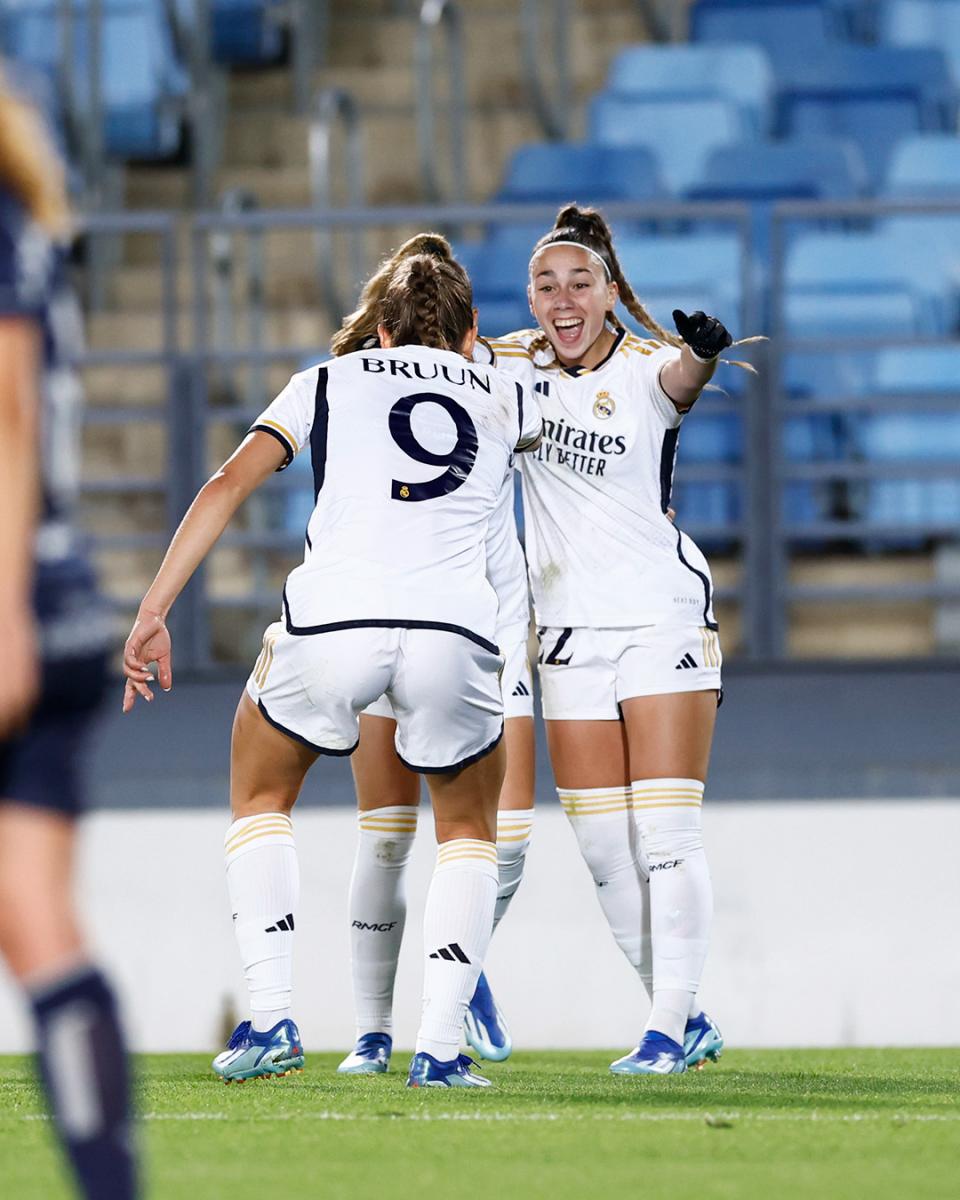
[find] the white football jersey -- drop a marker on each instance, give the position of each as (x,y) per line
(601,550)
(410,448)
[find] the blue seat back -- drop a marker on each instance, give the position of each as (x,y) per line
(739,73)
(551,171)
(924,165)
(787,30)
(922,23)
(681,133)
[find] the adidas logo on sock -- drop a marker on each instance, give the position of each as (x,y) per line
(686,662)
(284,925)
(451,953)
(520,690)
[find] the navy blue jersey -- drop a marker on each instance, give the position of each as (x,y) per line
(73,620)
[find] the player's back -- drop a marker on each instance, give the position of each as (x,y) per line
(409,449)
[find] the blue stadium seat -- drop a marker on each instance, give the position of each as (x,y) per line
(873,94)
(142,83)
(681,132)
(709,437)
(911,502)
(761,173)
(864,281)
(706,504)
(916,369)
(924,166)
(243,32)
(922,23)
(741,74)
(560,172)
(798,169)
(708,264)
(789,30)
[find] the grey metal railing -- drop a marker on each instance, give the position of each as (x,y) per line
(856,525)
(330,106)
(765,542)
(546,50)
(434,15)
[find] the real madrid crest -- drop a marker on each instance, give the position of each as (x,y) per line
(604,406)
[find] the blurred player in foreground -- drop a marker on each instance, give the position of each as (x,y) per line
(629,653)
(409,446)
(52,670)
(388,794)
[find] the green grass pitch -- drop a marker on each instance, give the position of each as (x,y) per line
(829,1124)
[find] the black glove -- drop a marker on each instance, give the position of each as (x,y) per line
(705,336)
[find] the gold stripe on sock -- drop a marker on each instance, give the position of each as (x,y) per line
(244,835)
(513,837)
(258,823)
(384,827)
(669,793)
(266,833)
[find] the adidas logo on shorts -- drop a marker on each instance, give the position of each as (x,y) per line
(686,663)
(520,690)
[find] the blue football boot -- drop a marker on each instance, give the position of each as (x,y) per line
(426,1071)
(252,1055)
(656,1055)
(484,1026)
(702,1040)
(370,1056)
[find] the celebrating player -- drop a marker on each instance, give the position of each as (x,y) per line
(409,445)
(629,654)
(388,793)
(52,670)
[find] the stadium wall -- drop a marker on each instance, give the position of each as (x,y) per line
(827,915)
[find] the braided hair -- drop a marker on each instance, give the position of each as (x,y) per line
(587,228)
(361,325)
(428,302)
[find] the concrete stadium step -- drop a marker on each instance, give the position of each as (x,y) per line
(900,629)
(143,330)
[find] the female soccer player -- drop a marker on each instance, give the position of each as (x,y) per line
(52,668)
(388,793)
(409,444)
(629,654)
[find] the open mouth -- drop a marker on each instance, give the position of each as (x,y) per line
(568,329)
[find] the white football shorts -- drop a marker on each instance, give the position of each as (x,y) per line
(444,689)
(586,673)
(516,682)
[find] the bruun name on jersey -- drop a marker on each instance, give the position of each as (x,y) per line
(426,371)
(582,450)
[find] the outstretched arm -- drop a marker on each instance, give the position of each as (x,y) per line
(684,378)
(257,457)
(19,470)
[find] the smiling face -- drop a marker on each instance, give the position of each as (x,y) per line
(570,297)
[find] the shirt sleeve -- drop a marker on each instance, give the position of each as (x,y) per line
(530,419)
(26,264)
(289,418)
(649,369)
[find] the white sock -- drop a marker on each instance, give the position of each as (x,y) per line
(681,898)
(513,841)
(602,821)
(378,910)
(457,926)
(263,880)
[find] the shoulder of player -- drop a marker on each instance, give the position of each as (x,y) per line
(512,345)
(634,346)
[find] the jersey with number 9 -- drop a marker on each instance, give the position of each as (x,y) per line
(409,449)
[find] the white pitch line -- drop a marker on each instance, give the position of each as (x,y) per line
(718,1119)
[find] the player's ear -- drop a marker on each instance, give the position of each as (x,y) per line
(530,298)
(613,294)
(466,349)
(386,341)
